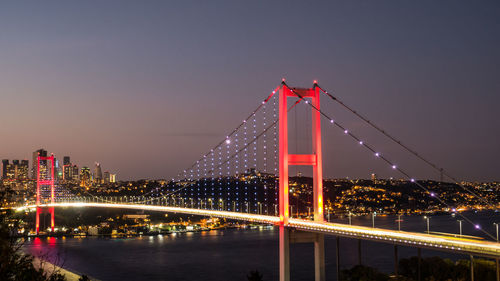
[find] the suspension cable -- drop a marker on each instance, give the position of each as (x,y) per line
(407,148)
(238,151)
(378,155)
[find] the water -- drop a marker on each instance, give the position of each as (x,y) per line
(231,254)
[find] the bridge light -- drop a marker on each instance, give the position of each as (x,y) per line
(412,180)
(331,121)
(477,226)
(228,141)
(361,142)
(377,154)
(346,131)
(394,166)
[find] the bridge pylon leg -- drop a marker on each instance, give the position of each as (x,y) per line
(319,257)
(37,225)
(284,248)
(52,223)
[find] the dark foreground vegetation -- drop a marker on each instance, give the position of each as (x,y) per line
(432,269)
(16,265)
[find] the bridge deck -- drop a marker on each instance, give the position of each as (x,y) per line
(412,239)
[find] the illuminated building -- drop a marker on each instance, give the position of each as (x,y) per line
(85,177)
(106,177)
(5,163)
(15,171)
(75,173)
(67,172)
(98,173)
(43,153)
(112,178)
(22,170)
(66,160)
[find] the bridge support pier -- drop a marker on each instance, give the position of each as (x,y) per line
(396,260)
(359,252)
(471,267)
(338,257)
(319,257)
(284,253)
(419,271)
(319,249)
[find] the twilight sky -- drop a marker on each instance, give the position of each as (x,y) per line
(146,87)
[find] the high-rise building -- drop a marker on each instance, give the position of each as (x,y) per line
(106,177)
(85,177)
(66,160)
(98,173)
(58,171)
(17,170)
(67,172)
(112,178)
(43,153)
(22,170)
(5,163)
(75,173)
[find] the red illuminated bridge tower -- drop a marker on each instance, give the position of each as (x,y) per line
(315,160)
(44,189)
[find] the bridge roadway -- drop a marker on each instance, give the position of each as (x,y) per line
(411,239)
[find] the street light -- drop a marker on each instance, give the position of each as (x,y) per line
(427,218)
(399,222)
(350,219)
(373,219)
(460,223)
(496,225)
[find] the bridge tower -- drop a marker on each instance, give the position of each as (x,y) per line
(44,180)
(315,160)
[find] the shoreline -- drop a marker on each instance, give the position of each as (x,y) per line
(51,268)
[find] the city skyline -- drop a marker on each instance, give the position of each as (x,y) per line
(147,95)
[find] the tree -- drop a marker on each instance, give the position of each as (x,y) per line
(254,275)
(363,273)
(14,264)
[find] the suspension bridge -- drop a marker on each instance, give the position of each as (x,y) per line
(246,177)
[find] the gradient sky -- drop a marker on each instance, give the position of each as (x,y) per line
(146,87)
